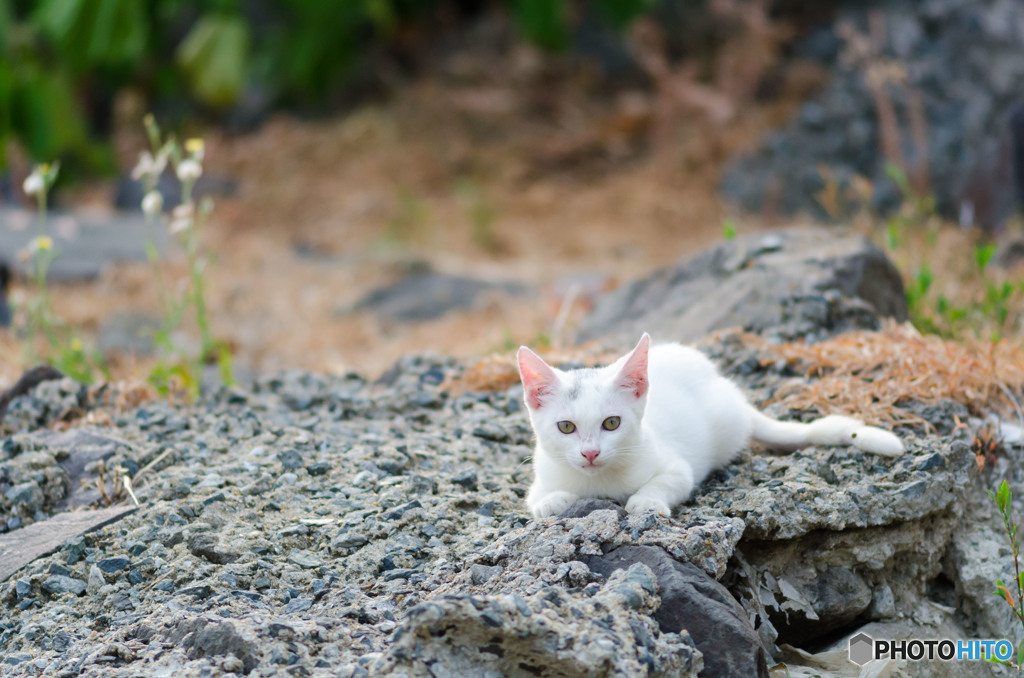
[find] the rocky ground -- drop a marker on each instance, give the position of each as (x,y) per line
(329,526)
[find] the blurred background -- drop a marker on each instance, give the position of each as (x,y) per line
(460,176)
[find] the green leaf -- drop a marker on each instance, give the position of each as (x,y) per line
(213,57)
(92,33)
(1020,654)
(983,254)
(1003,497)
(896,175)
(728,229)
(924,279)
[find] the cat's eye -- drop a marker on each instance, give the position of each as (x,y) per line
(566,427)
(610,424)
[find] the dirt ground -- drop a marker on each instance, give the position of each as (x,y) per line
(563,189)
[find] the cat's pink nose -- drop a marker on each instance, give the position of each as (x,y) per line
(591,455)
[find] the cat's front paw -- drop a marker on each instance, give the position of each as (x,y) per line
(639,504)
(552,504)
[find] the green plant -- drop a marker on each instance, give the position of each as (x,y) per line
(183,372)
(1004,502)
(65,350)
(729,229)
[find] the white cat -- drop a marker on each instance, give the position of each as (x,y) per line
(650,427)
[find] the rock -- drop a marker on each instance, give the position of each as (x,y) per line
(27,497)
(693,601)
(584,507)
(791,283)
(950,52)
(57,583)
(429,295)
(304,560)
(416,546)
(112,565)
(467,479)
(557,634)
(201,638)
(481,573)
(85,244)
(25,545)
(206,545)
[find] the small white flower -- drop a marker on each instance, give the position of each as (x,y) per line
(181,218)
(189,170)
(149,166)
(153,203)
(34,183)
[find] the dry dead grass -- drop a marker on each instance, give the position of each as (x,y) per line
(872,374)
(868,374)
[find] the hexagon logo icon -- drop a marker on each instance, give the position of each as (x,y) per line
(862,649)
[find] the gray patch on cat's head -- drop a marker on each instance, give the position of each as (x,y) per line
(576,387)
(581,378)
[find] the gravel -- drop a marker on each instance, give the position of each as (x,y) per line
(328,526)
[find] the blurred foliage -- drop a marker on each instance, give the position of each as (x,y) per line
(60,59)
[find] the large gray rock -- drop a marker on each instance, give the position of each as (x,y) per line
(793,283)
(429,295)
(84,243)
(551,633)
(960,57)
(693,601)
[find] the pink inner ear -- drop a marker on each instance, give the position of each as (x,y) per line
(539,379)
(633,375)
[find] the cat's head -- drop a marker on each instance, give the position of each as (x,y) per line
(588,419)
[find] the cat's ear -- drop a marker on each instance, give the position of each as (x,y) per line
(539,378)
(632,378)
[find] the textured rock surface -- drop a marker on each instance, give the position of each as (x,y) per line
(692,600)
(961,57)
(327,526)
(429,295)
(791,283)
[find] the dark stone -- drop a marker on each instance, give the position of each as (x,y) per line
(479,574)
(466,479)
(319,468)
(396,513)
(426,296)
(201,638)
(206,545)
(692,600)
(584,507)
(290,459)
(57,583)
(57,568)
(795,283)
(62,640)
(112,565)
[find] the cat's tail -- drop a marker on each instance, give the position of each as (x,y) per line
(831,430)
